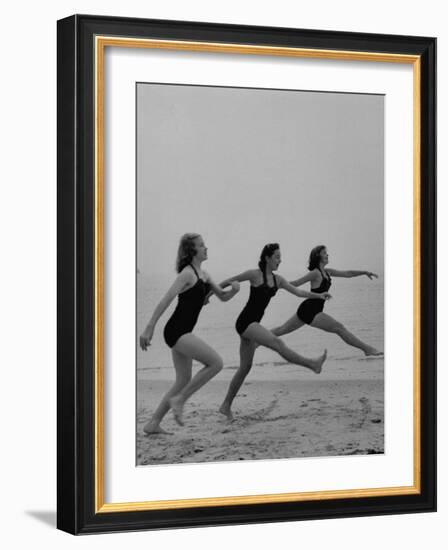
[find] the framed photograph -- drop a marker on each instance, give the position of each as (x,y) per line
(246,274)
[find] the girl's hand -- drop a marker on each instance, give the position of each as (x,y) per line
(235,286)
(145,338)
(326,296)
(207,298)
(371,275)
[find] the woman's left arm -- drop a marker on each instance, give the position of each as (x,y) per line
(302,280)
(283,283)
(351,273)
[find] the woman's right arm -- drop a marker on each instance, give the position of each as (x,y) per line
(181,281)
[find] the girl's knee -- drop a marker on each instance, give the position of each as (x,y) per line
(217,364)
(220,365)
(276,343)
(338,328)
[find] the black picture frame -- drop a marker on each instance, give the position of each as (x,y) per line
(77,496)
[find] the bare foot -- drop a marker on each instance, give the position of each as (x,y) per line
(225,410)
(151,428)
(177,406)
(316,365)
(372,351)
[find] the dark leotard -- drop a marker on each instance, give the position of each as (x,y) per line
(312,306)
(186,314)
(259,298)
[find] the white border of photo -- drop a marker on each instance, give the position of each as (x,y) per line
(124,481)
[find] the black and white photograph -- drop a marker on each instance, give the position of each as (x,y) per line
(259,274)
(178,178)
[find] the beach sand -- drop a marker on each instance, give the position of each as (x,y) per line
(296,416)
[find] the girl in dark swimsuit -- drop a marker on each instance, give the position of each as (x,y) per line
(191,286)
(310,308)
(311,312)
(264,285)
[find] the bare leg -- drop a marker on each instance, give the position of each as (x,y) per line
(329,324)
(290,326)
(264,337)
(182,365)
(195,348)
(247,350)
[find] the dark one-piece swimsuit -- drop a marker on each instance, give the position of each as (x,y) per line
(259,298)
(309,308)
(186,314)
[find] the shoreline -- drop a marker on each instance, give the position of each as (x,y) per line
(361,367)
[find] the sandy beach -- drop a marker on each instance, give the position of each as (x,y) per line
(296,415)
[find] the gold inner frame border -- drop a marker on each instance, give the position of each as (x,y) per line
(101,42)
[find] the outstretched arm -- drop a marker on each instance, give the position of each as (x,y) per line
(223,295)
(351,273)
(283,283)
(182,280)
(231,281)
(244,276)
(310,276)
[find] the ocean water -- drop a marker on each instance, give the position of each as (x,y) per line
(358,303)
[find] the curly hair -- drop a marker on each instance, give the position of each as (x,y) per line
(186,251)
(268,250)
(314,260)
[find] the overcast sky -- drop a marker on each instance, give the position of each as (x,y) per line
(244,167)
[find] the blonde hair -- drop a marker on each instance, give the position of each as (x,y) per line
(186,251)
